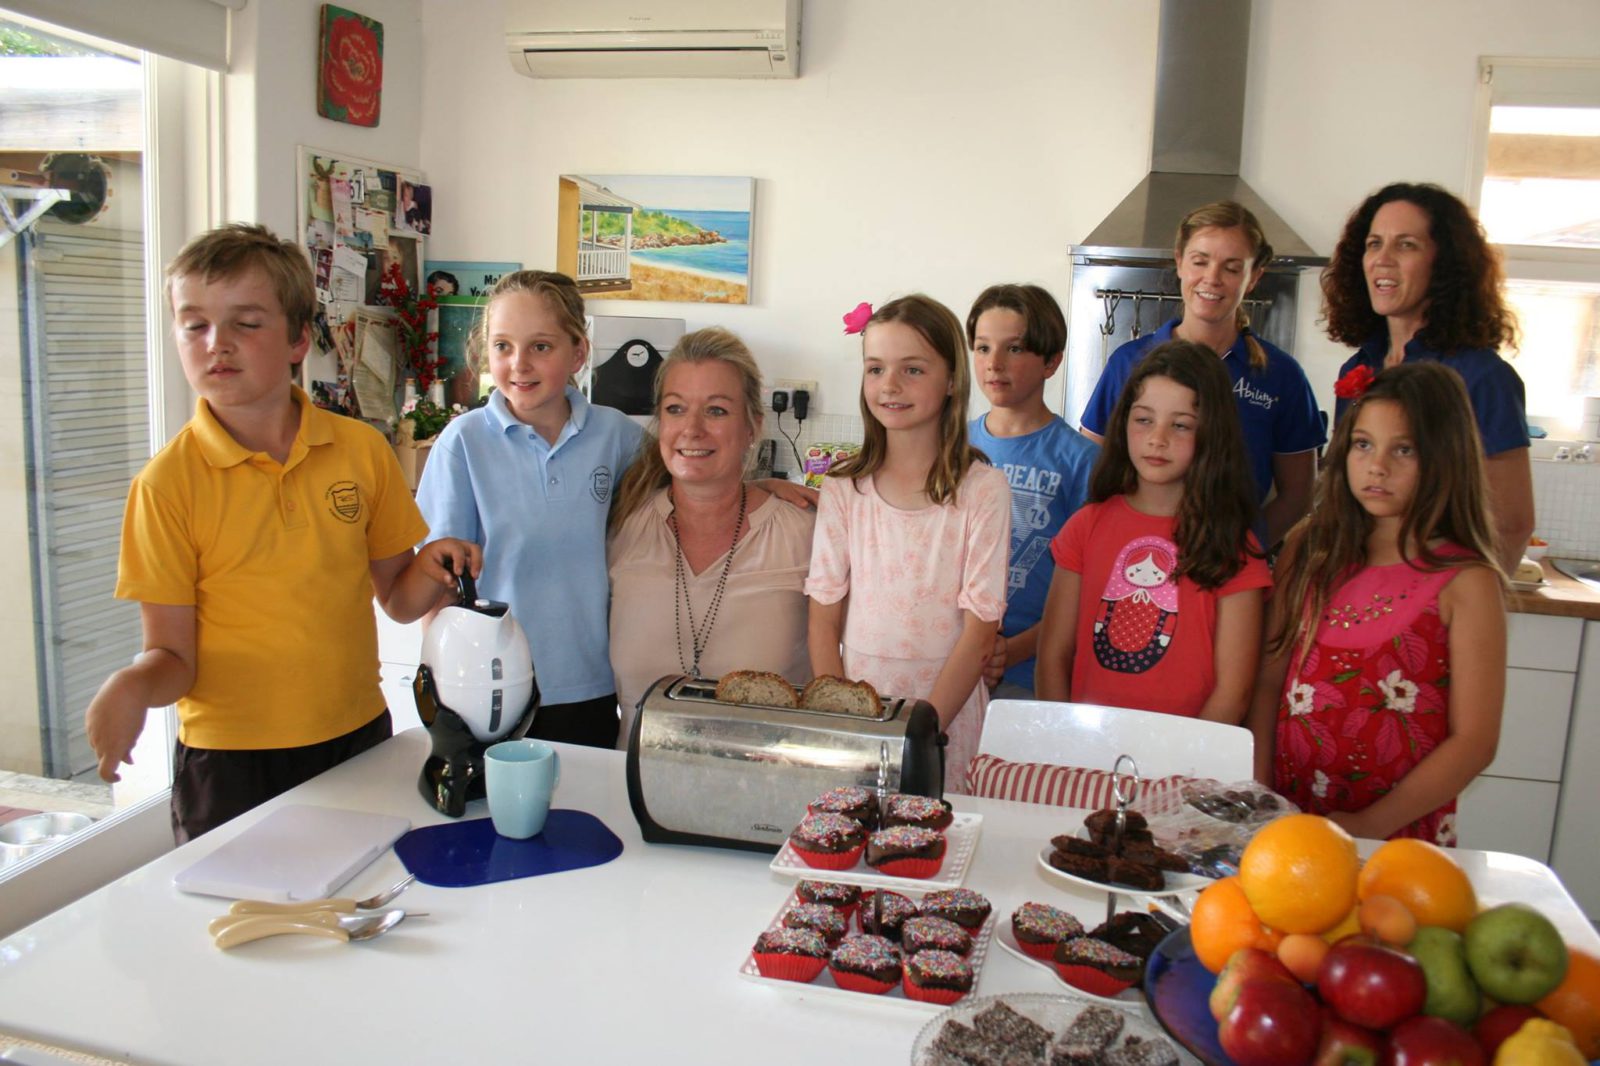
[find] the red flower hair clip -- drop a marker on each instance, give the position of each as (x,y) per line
(856,320)
(1354,385)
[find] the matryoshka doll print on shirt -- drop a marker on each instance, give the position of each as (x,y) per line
(1138,614)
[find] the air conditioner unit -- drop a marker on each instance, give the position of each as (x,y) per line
(654,38)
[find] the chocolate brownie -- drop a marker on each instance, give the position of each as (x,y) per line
(1040,923)
(1136,1052)
(967,1047)
(939,969)
(1087,1038)
(791,942)
(1098,955)
(924,933)
(870,956)
(1075,845)
(828,834)
(833,893)
(1079,865)
(896,909)
(1157,856)
(904,842)
(1105,820)
(820,918)
(852,801)
(963,906)
(1135,932)
(903,809)
(1129,836)
(1003,1025)
(1134,875)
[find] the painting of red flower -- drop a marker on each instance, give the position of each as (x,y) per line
(350,73)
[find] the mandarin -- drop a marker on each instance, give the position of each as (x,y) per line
(1425,878)
(1299,873)
(1222,923)
(1575,1003)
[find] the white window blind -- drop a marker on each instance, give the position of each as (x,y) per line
(195,31)
(1543,83)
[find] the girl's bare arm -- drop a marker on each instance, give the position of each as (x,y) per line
(1237,652)
(1052,672)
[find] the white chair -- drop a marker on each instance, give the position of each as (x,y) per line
(1082,734)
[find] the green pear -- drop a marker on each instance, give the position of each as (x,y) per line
(1452,993)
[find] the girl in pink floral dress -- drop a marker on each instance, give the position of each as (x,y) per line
(1390,612)
(908,564)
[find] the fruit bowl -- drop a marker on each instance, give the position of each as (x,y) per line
(1177,988)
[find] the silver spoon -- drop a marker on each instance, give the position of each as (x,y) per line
(232,930)
(371,903)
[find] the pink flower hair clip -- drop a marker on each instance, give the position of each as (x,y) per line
(856,320)
(1354,384)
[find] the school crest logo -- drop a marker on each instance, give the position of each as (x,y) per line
(344,500)
(600,483)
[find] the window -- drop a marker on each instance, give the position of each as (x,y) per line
(1538,196)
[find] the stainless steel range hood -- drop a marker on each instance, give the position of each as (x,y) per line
(1199,127)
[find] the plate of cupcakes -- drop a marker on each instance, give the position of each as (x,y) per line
(1105,963)
(1035,1027)
(1137,866)
(921,842)
(922,950)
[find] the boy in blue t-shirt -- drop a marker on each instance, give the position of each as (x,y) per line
(1018,338)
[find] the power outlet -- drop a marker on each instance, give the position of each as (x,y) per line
(789,385)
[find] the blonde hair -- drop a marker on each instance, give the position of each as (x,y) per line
(1228,214)
(560,294)
(228,251)
(940,328)
(648,474)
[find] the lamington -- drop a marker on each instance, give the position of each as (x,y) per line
(1087,1038)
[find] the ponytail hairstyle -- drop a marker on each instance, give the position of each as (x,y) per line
(939,327)
(560,294)
(648,474)
(1228,214)
(1218,507)
(1451,503)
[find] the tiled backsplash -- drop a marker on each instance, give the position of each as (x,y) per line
(1566,498)
(831,428)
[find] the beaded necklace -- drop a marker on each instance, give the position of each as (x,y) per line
(699,634)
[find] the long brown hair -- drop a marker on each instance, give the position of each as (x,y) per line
(1213,527)
(648,474)
(560,294)
(1466,305)
(1229,214)
(1451,502)
(937,325)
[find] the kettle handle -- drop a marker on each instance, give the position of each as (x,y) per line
(466,588)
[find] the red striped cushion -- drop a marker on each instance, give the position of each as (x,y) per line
(1048,783)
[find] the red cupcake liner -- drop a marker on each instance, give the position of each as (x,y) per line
(918,869)
(784,966)
(942,996)
(830,860)
(1093,981)
(1045,951)
(859,982)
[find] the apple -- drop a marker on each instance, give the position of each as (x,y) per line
(1370,984)
(1452,993)
(1499,1023)
(1429,1041)
(1515,953)
(1271,1023)
(1244,965)
(1347,1044)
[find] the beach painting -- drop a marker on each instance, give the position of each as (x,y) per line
(683,239)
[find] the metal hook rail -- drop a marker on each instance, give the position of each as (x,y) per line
(1112,298)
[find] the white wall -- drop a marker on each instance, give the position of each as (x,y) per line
(939,145)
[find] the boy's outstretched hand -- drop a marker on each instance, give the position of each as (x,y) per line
(411,584)
(446,557)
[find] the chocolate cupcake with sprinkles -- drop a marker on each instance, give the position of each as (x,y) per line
(865,963)
(790,954)
(902,808)
(852,801)
(828,841)
(937,977)
(1039,927)
(906,851)
(895,910)
(1096,967)
(963,906)
(924,933)
(841,897)
(820,918)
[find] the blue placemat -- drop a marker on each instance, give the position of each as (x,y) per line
(459,854)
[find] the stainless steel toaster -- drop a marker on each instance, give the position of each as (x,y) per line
(737,775)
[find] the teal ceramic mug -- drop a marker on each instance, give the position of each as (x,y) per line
(520,777)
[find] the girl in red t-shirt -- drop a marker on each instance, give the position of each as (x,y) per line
(1380,696)
(1156,599)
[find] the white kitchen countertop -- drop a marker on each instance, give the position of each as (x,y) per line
(635,960)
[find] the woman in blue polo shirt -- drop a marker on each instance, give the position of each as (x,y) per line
(1413,277)
(1221,254)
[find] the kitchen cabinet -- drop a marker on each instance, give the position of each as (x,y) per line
(1576,850)
(399,651)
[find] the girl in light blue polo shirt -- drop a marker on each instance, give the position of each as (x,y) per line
(529,476)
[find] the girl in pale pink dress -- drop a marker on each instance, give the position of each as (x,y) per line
(908,567)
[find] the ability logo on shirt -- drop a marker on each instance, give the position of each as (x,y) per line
(344,501)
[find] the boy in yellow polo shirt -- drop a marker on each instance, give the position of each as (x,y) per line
(255,542)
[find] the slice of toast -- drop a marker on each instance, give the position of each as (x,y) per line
(757,686)
(827,693)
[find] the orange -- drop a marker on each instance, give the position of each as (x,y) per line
(1425,878)
(1576,1002)
(1222,923)
(1299,873)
